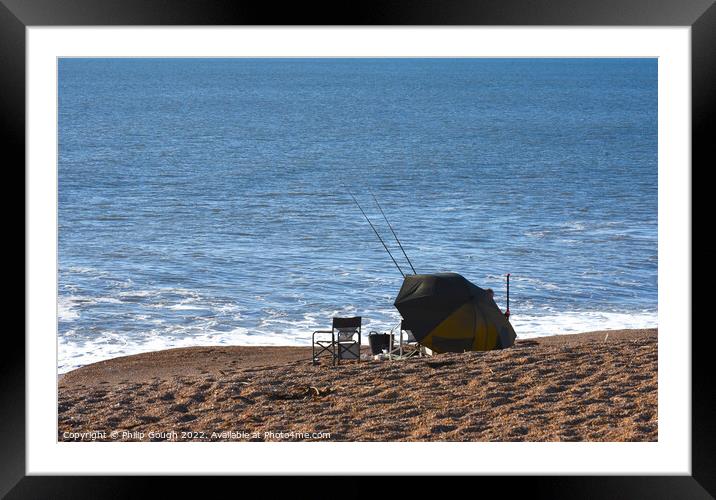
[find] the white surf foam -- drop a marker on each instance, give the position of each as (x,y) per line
(279,330)
(66,308)
(529,326)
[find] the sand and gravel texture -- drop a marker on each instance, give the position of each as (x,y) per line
(598,386)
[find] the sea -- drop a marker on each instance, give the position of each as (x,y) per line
(208,201)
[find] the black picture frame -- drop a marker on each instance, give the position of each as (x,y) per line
(17,15)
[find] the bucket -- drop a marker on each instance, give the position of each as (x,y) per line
(378,342)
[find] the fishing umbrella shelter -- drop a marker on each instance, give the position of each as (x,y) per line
(445,312)
(448,313)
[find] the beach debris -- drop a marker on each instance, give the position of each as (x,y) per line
(309,392)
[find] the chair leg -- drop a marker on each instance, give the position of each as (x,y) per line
(330,349)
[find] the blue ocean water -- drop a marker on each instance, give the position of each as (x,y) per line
(205,201)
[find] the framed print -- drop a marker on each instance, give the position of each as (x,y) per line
(424,240)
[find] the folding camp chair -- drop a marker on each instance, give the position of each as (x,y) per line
(408,347)
(344,343)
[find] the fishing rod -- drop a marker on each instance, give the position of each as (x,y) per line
(378,235)
(507,311)
(394,235)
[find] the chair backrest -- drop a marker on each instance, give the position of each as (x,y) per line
(347,327)
(353,322)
